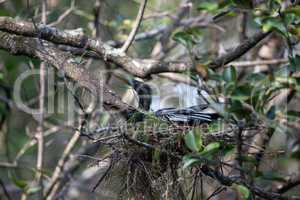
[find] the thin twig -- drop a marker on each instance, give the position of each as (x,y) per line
(239,149)
(97,23)
(40,131)
(258,62)
(239,50)
(64,15)
(50,191)
(7,165)
(33,142)
(135,28)
(178,78)
(5,190)
(243,26)
(111,165)
(216,192)
(158,15)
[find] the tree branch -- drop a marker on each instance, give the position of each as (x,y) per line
(289,184)
(65,62)
(60,166)
(40,128)
(228,181)
(138,67)
(239,50)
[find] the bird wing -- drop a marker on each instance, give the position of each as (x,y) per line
(188,115)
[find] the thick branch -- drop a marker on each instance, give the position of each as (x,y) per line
(141,68)
(228,181)
(289,184)
(65,62)
(138,67)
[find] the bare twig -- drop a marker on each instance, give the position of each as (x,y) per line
(179,15)
(5,190)
(216,192)
(158,15)
(243,26)
(161,48)
(74,164)
(33,142)
(7,165)
(158,30)
(64,15)
(51,189)
(239,50)
(40,129)
(239,149)
(258,62)
(97,23)
(135,28)
(178,78)
(110,167)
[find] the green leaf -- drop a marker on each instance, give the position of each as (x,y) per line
(243,190)
(276,23)
(136,117)
(229,74)
(183,38)
(293,113)
(188,161)
(294,9)
(195,33)
(210,148)
(242,92)
(294,64)
(188,37)
(235,106)
(19,183)
(229,150)
(208,6)
(156,155)
(193,141)
(213,75)
(33,190)
(198,138)
(255,77)
(229,88)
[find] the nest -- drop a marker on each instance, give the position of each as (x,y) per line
(147,157)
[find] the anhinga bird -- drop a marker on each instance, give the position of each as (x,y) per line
(144,93)
(192,115)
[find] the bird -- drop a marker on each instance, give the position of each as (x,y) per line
(144,93)
(193,115)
